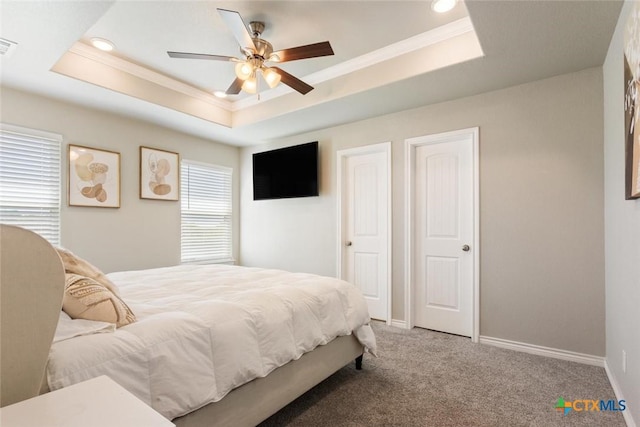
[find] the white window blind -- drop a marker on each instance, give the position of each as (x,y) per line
(205,213)
(30,180)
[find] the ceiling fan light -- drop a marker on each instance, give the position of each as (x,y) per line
(442,6)
(271,77)
(250,85)
(244,70)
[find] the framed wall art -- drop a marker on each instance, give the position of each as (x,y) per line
(94,177)
(159,174)
(632,104)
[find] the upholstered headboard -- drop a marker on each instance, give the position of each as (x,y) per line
(31,290)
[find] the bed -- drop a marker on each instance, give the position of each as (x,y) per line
(212,345)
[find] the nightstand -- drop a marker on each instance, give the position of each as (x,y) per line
(99,402)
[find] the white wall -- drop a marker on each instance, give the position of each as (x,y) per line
(541,181)
(622,233)
(141,233)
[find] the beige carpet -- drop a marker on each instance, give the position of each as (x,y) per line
(426,378)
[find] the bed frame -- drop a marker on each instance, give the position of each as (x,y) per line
(257,400)
(32,285)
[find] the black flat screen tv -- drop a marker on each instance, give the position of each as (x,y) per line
(286,172)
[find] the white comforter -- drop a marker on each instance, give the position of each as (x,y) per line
(204,330)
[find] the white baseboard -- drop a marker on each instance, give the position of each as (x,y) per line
(539,350)
(399,324)
(628,418)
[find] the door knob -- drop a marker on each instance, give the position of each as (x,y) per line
(466,248)
(348,243)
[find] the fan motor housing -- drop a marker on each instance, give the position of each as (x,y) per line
(263,48)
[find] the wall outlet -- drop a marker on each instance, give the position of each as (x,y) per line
(624,361)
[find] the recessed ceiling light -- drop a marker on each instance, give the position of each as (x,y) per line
(442,6)
(220,94)
(102,44)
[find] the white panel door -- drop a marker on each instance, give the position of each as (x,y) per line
(365,228)
(444,221)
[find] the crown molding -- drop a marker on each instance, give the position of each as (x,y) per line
(106,59)
(386,53)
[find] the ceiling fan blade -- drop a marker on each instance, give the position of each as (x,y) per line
(187,55)
(302,52)
(238,28)
(292,81)
(235,87)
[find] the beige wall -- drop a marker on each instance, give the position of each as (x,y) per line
(541,190)
(141,233)
(622,235)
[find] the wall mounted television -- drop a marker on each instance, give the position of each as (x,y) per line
(286,172)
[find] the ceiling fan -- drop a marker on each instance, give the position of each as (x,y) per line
(257,52)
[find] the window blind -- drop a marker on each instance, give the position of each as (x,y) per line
(206,209)
(30,180)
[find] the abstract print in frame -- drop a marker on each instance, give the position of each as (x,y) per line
(159,174)
(94,177)
(632,103)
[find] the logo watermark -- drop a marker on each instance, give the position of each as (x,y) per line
(589,405)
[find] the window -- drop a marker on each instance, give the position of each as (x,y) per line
(30,180)
(205,213)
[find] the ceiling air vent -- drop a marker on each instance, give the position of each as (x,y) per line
(7,47)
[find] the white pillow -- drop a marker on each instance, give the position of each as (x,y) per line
(69,328)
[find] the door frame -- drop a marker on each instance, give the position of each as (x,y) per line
(411,145)
(341,157)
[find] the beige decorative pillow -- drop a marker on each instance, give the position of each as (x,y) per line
(85,298)
(73,264)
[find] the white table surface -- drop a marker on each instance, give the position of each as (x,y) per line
(99,402)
